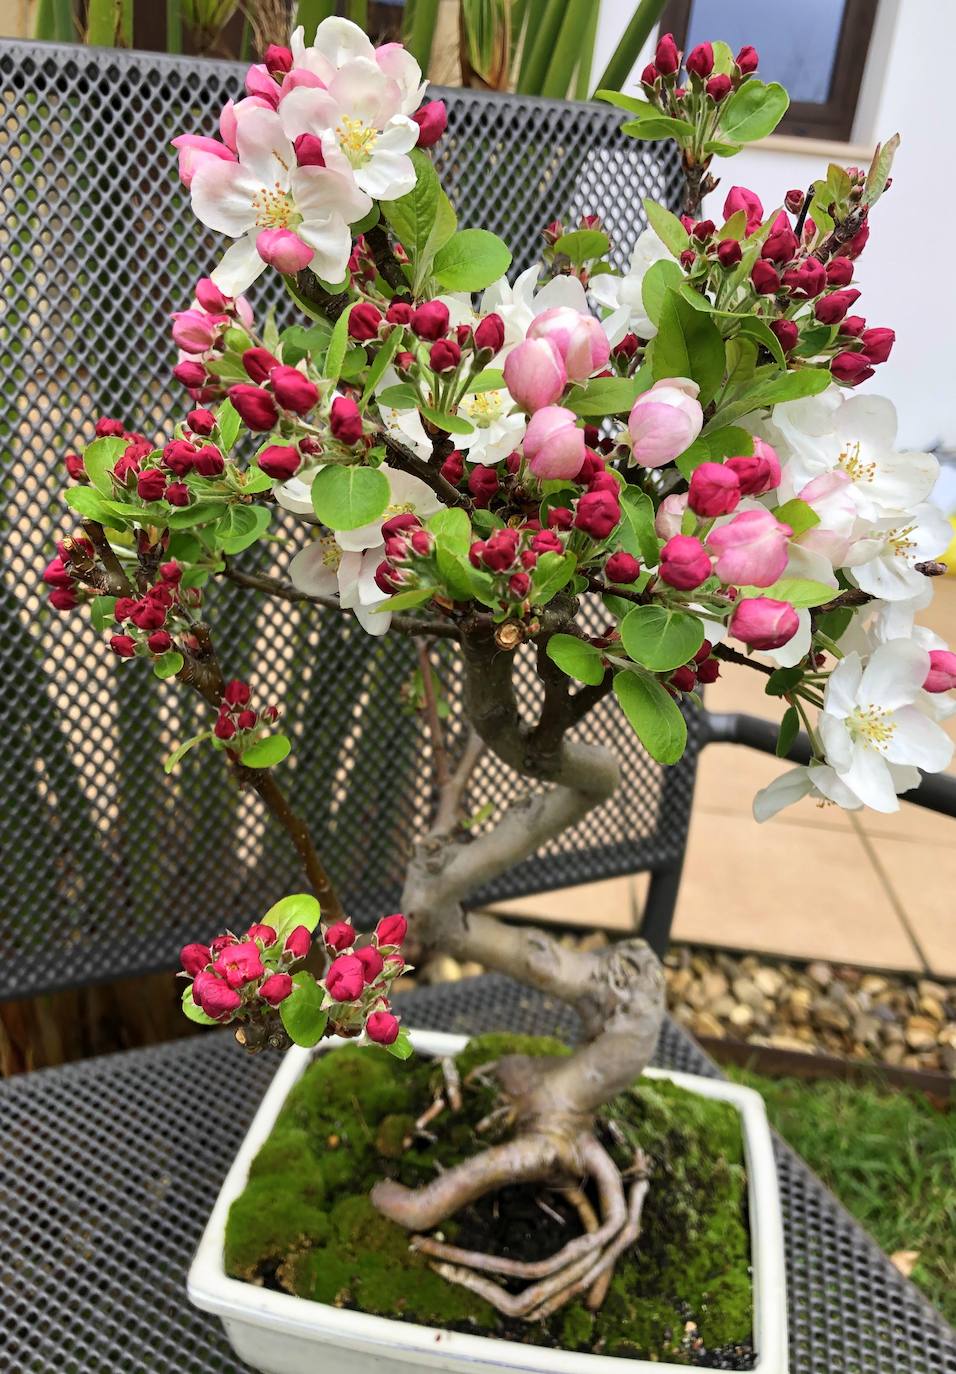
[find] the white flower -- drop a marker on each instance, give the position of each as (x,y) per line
(519,304)
(339,41)
(498,427)
(407,495)
(626,293)
(817,780)
(360,123)
(854,435)
(324,569)
(883,560)
(266,190)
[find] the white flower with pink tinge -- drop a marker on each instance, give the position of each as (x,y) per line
(278,212)
(338,42)
(325,569)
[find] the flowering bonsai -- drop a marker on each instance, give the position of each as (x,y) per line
(679,447)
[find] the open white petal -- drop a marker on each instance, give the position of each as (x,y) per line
(837,744)
(339,41)
(307,110)
(222,196)
(869,778)
(789,788)
(386,176)
(264,147)
(320,192)
(362,91)
(894,675)
(332,242)
(843,685)
(314,571)
(919,741)
(239,266)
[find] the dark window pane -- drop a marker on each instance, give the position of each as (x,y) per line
(797,43)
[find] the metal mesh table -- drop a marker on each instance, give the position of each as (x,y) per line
(109,1168)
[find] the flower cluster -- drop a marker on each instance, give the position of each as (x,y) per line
(244,976)
(359,977)
(213,325)
(237,723)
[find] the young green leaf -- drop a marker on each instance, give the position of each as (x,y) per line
(753,111)
(661,127)
(451,424)
(345,498)
(266,752)
(551,572)
(181,750)
(471,260)
(90,504)
(423,220)
(288,913)
(301,1012)
(576,658)
(202,513)
(667,227)
(789,729)
(730,442)
(653,715)
(380,363)
(403,601)
(688,344)
(452,528)
(583,245)
(228,424)
(641,109)
(488,379)
(338,345)
(401,1047)
(798,515)
(400,397)
(661,639)
(603,396)
(783,680)
(639,512)
(658,279)
(168,664)
(99,457)
(801,592)
(241,526)
(101,612)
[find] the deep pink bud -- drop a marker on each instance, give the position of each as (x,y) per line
(371,961)
(292,390)
(729,252)
(123,645)
(553,443)
(684,562)
(649,76)
(284,250)
(852,326)
(858,242)
(308,151)
(63,599)
(832,308)
(740,198)
(209,462)
(171,571)
(432,121)
(266,934)
(787,333)
(224,728)
(764,623)
(622,567)
(482,484)
(765,278)
(364,320)
(256,407)
(758,473)
(382,1027)
(719,86)
(708,671)
(345,420)
(519,584)
(258,363)
(781,243)
(339,936)
(210,297)
(346,978)
(839,272)
(55,574)
(851,368)
(793,200)
(190,374)
(453,468)
(700,60)
(247,720)
(240,964)
(107,428)
(684,679)
(535,374)
(179,455)
(490,333)
(747,60)
(276,988)
(807,280)
(159,642)
(277,58)
(399,312)
(280,461)
(201,421)
(942,671)
(714,490)
(236,692)
(878,343)
(430,321)
(444,355)
(500,549)
(391,930)
(194,958)
(148,615)
(298,942)
(668,55)
(74,466)
(177,494)
(215,997)
(596,513)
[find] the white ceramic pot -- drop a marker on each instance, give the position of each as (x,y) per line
(281,1334)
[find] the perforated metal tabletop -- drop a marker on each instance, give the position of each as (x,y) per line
(108,1169)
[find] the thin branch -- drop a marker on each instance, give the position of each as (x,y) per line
(402,458)
(262,781)
(597,584)
(439,751)
(117,583)
(389,267)
(728,655)
(452,799)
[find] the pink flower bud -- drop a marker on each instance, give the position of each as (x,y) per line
(382,1027)
(839,272)
(765,278)
(499,551)
(283,250)
(258,363)
(209,462)
(684,562)
(535,374)
(729,252)
(740,198)
(148,615)
(668,55)
(764,623)
(339,936)
(807,280)
(684,679)
(453,468)
(747,60)
(224,728)
(553,443)
(247,720)
(490,333)
(236,692)
(718,88)
(193,331)
(432,121)
(280,461)
(597,513)
(364,320)
(345,420)
(177,494)
(210,297)
(265,934)
(482,484)
(781,243)
(277,58)
(580,341)
(942,671)
(159,642)
(194,150)
(751,549)
(391,930)
(215,997)
(546,541)
(649,77)
(399,312)
(793,200)
(852,327)
(878,343)
(430,321)
(700,60)
(664,421)
(256,407)
(371,961)
(858,242)
(292,390)
(787,334)
(240,964)
(276,988)
(519,585)
(260,83)
(308,151)
(123,645)
(714,490)
(832,308)
(444,355)
(758,473)
(56,574)
(190,374)
(63,599)
(194,958)
(346,978)
(201,421)
(622,567)
(851,368)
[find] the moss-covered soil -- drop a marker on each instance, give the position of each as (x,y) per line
(304,1223)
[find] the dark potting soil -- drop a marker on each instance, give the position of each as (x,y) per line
(304,1223)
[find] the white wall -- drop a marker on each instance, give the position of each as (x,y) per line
(904,277)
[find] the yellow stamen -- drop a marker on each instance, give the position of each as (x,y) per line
(356,139)
(873,725)
(274,209)
(483,408)
(852,464)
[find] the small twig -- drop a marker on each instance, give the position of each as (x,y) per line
(389,267)
(117,583)
(262,782)
(597,584)
(439,752)
(402,458)
(728,655)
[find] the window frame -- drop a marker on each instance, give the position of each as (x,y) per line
(831,120)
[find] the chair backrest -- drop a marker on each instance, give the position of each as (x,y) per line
(108,866)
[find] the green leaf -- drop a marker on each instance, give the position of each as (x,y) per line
(451,424)
(551,572)
(658,279)
(288,913)
(653,716)
(402,601)
(382,359)
(735,227)
(771,391)
(661,639)
(789,729)
(194,1012)
(642,109)
(168,664)
(423,220)
(401,1047)
(267,751)
(834,624)
(299,341)
(101,612)
(667,227)
(661,127)
(753,111)
(783,680)
(338,344)
(488,379)
(471,260)
(452,529)
(89,503)
(798,515)
(202,513)
(99,457)
(181,750)
(730,442)
(688,344)
(576,658)
(638,509)
(345,498)
(401,397)
(801,592)
(582,245)
(880,167)
(607,395)
(719,149)
(228,424)
(756,328)
(242,526)
(301,1012)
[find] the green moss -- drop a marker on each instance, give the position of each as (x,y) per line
(305,1221)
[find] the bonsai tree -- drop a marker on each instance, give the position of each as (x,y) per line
(679,446)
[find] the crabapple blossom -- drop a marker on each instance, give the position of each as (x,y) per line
(885,561)
(763,622)
(664,421)
(553,444)
(625,294)
(535,374)
(580,341)
(751,548)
